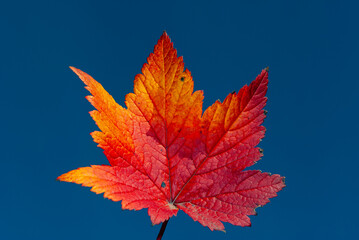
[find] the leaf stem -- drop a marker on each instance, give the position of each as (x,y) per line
(162,230)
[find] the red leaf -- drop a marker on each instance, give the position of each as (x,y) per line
(165,156)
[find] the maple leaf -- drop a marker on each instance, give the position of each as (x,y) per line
(165,155)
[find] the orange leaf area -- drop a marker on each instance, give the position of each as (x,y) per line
(165,155)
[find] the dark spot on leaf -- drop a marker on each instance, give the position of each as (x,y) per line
(182,79)
(265,112)
(163,184)
(260,150)
(233,92)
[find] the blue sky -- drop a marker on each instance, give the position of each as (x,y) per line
(312,50)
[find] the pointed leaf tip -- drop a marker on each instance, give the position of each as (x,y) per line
(73,68)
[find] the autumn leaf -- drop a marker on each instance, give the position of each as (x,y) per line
(165,155)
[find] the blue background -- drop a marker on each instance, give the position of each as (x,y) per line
(311,48)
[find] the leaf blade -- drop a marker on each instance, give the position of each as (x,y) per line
(164,104)
(113,120)
(121,184)
(227,139)
(240,195)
